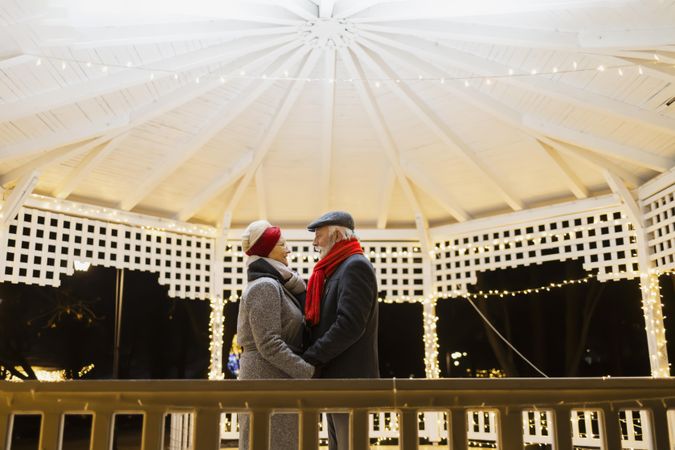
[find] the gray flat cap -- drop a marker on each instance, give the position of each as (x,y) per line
(341,218)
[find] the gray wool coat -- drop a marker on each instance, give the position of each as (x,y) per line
(344,343)
(270,328)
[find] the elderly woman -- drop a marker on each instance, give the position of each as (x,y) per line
(270,325)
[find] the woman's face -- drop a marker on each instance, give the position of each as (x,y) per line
(280,251)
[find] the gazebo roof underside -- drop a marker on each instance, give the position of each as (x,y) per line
(393,110)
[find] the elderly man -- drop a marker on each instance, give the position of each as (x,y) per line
(341,311)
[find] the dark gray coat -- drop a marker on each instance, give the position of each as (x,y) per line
(344,343)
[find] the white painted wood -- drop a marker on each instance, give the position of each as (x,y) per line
(575,184)
(385,198)
(183,151)
(17,197)
(553,89)
(435,191)
(261,192)
(440,128)
(388,144)
(270,134)
(94,157)
(302,8)
(348,8)
(600,145)
(617,186)
(217,185)
(661,71)
(657,184)
(599,162)
(126,78)
(34,146)
(326,8)
(16,60)
(327,114)
(479,100)
(478,32)
(628,38)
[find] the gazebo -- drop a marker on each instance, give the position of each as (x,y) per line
(462,136)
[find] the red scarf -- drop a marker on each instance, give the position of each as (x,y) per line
(323,269)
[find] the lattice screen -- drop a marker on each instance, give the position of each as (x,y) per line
(398,266)
(605,240)
(42,246)
(659,216)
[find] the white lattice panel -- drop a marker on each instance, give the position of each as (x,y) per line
(398,266)
(659,216)
(605,240)
(41,246)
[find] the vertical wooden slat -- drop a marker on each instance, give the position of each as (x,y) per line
(409,429)
(612,432)
(259,429)
(51,431)
(309,430)
(5,422)
(358,430)
(457,429)
(659,423)
(207,430)
(510,428)
(153,430)
(101,430)
(562,428)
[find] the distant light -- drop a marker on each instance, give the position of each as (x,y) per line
(81,266)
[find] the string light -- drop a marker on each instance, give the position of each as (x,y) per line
(216,328)
(488,78)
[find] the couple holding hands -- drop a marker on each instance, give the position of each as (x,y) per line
(326,328)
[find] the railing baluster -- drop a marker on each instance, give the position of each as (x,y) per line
(359,430)
(510,428)
(309,429)
(408,429)
(5,420)
(659,421)
(101,430)
(259,429)
(562,430)
(612,431)
(51,431)
(153,430)
(457,429)
(207,430)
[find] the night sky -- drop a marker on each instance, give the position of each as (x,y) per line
(164,338)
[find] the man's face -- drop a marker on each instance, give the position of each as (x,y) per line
(323,241)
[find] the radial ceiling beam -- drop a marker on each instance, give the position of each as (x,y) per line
(41,144)
(628,38)
(606,147)
(574,183)
(435,9)
(126,78)
(540,85)
(434,190)
(15,60)
(348,8)
(594,160)
(480,33)
(84,168)
(327,118)
(618,187)
(216,185)
(261,192)
(302,8)
(18,196)
(435,124)
(326,8)
(185,150)
(99,37)
(388,144)
(650,67)
(385,198)
(481,101)
(53,157)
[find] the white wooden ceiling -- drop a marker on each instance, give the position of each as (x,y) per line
(394,110)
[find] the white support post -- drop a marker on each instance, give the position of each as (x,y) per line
(652,310)
(649,283)
(217,317)
(431,368)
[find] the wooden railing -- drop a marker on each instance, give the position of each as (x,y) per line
(558,399)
